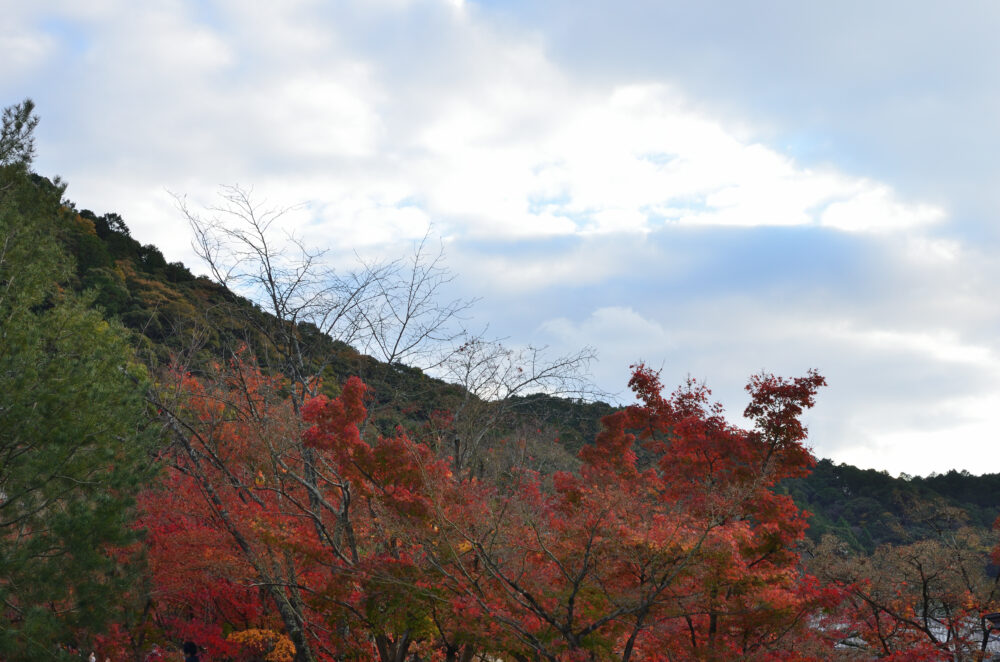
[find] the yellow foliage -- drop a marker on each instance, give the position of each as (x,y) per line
(86,225)
(278,647)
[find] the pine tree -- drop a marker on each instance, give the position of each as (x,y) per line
(72,447)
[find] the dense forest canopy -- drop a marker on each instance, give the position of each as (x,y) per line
(281,478)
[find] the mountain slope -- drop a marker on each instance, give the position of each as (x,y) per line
(173,313)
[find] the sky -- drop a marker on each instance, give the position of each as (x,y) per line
(716,189)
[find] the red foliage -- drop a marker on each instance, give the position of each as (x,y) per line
(692,553)
(299,525)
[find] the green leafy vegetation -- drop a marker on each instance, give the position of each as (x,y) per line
(73,443)
(868,508)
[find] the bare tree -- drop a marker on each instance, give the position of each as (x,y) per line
(391,310)
(496,380)
(408,321)
(395,311)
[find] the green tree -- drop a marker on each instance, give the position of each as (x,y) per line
(17,142)
(72,447)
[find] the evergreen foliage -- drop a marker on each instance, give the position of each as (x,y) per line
(868,508)
(73,450)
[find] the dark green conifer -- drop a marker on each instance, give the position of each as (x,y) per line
(72,447)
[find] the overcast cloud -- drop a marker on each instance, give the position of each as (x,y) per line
(717,189)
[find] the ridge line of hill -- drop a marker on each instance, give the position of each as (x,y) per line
(169,310)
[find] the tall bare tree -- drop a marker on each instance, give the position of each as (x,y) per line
(307,302)
(408,321)
(497,380)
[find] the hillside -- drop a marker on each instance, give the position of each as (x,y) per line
(171,313)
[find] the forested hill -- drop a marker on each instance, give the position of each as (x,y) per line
(171,312)
(868,508)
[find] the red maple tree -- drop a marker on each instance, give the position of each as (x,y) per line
(670,542)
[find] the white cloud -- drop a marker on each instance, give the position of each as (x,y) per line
(628,159)
(611,326)
(623,337)
(22,53)
(908,397)
(500,143)
(321,116)
(874,209)
(967,442)
(569,197)
(943,346)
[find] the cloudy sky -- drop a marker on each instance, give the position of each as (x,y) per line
(716,188)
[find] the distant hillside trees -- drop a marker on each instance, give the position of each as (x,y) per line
(927,599)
